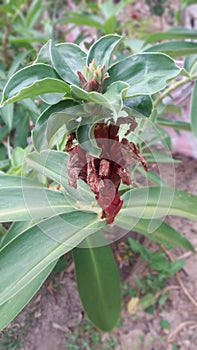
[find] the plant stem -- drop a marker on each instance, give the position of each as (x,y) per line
(173,87)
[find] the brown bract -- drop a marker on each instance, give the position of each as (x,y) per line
(104,173)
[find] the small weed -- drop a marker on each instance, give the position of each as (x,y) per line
(164,324)
(150,289)
(12,338)
(87,337)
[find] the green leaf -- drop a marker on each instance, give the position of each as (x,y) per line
(171,34)
(103,49)
(155,230)
(175,266)
(22,199)
(114,95)
(174,124)
(93,96)
(85,140)
(22,130)
(67,59)
(15,230)
(44,55)
(109,26)
(57,125)
(40,130)
(150,175)
(3,152)
(18,155)
(163,137)
(11,308)
(34,12)
(53,165)
(18,60)
(193,108)
(146,73)
(110,9)
(3,132)
(138,106)
(168,108)
(111,99)
(138,248)
(82,19)
(27,40)
(159,157)
(31,81)
(155,202)
(29,105)
(98,282)
(31,252)
(175,48)
(4,164)
(190,64)
(7,114)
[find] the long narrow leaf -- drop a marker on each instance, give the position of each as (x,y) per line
(174,33)
(98,282)
(174,124)
(155,202)
(53,165)
(31,252)
(82,19)
(175,48)
(194,109)
(22,200)
(155,230)
(14,305)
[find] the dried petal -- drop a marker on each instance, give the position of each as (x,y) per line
(93,179)
(111,212)
(104,168)
(107,193)
(125,176)
(69,141)
(104,174)
(76,166)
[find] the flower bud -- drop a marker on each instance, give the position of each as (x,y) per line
(92,77)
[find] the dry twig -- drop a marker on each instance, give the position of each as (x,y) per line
(182,325)
(179,280)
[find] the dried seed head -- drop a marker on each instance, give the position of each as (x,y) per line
(104,173)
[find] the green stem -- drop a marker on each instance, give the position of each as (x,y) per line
(172,88)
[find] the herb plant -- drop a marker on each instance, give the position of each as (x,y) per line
(78,191)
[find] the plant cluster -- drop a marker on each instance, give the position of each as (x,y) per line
(150,289)
(97,113)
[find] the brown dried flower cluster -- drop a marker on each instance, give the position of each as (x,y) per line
(103,174)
